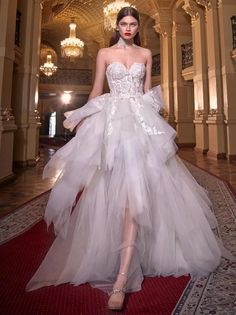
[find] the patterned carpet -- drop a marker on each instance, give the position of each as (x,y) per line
(215,294)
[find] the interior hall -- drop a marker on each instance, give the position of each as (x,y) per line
(48,52)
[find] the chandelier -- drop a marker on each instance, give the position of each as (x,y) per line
(110,12)
(72,46)
(48,67)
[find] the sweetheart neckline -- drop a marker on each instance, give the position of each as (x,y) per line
(128,69)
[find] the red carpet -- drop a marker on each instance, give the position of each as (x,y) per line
(19,260)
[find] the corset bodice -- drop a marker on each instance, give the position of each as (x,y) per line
(124,82)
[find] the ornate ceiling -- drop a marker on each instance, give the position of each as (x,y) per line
(88,15)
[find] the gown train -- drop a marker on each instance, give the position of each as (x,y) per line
(140,208)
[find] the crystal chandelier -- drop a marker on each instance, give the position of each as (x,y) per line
(110,12)
(72,46)
(48,67)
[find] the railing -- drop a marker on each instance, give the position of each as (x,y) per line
(17,32)
(156,65)
(69,77)
(233,23)
(187,55)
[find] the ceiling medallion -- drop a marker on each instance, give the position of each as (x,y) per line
(72,46)
(48,68)
(110,12)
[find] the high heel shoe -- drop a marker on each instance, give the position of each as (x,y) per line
(117,296)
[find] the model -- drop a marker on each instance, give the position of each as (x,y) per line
(141,213)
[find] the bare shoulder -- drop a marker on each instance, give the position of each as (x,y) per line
(103,52)
(145,52)
(103,55)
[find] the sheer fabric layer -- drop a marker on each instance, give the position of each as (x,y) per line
(123,157)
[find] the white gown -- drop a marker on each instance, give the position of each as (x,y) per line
(123,155)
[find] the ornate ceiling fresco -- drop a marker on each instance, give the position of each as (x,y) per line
(88,15)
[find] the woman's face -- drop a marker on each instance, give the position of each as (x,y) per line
(128,27)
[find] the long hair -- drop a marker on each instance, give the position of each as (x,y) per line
(126,11)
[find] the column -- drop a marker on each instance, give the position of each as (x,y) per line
(93,48)
(164,28)
(183,94)
(7,56)
(215,120)
(227,9)
(26,90)
(200,79)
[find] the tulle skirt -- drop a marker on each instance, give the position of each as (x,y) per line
(123,158)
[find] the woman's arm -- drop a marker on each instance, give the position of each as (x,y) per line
(148,78)
(97,88)
(99,75)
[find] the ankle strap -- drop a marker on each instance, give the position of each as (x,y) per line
(124,274)
(118,290)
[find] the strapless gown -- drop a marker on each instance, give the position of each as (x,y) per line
(124,154)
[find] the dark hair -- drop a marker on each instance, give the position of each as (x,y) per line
(126,11)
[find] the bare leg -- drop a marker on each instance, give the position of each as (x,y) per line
(129,235)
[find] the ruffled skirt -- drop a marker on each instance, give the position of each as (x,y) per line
(122,158)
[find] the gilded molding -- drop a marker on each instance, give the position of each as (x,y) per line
(34,117)
(174,29)
(158,27)
(213,112)
(37,115)
(7,114)
(233,55)
(198,113)
(181,28)
(159,30)
(191,9)
(205,3)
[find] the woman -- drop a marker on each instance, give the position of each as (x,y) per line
(140,212)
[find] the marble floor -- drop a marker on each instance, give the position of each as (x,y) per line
(222,168)
(28,182)
(26,185)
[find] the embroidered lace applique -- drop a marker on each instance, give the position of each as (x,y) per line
(150,130)
(109,128)
(124,82)
(128,83)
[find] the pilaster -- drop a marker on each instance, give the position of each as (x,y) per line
(215,120)
(200,79)
(7,55)
(26,86)
(164,28)
(227,9)
(183,90)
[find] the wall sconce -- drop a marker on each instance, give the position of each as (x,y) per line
(66,97)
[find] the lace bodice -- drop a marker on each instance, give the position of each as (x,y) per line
(124,82)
